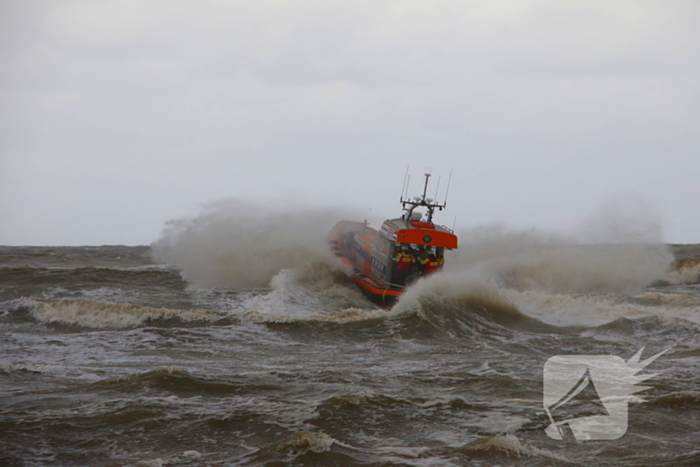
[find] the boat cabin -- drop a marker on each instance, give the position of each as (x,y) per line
(416,238)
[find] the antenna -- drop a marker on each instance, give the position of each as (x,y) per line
(408,182)
(404,187)
(448,187)
(453,224)
(438,188)
(427,180)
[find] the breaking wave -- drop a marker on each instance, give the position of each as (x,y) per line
(555,279)
(304,441)
(479,313)
(111,315)
(509,445)
(101,315)
(686,272)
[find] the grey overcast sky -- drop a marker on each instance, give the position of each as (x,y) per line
(117,116)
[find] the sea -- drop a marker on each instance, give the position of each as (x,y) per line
(228,342)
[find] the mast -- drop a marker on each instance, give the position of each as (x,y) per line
(409,205)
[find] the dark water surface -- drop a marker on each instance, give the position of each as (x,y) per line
(109,359)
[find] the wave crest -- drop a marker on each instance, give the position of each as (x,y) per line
(509,445)
(110,315)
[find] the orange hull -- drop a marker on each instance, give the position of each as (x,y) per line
(376,292)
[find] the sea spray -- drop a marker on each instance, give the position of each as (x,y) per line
(239,244)
(531,260)
(622,219)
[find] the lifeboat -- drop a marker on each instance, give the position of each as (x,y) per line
(383,262)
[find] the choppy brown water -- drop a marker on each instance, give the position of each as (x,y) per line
(109,359)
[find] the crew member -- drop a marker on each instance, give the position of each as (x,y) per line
(430,262)
(404,261)
(422,260)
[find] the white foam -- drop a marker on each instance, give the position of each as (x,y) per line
(509,445)
(273,307)
(597,309)
(676,299)
(98,315)
(8,366)
(151,463)
(501,423)
(446,284)
(346,316)
(308,293)
(304,441)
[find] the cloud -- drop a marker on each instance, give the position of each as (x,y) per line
(543,108)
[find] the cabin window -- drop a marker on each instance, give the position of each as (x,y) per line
(382,246)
